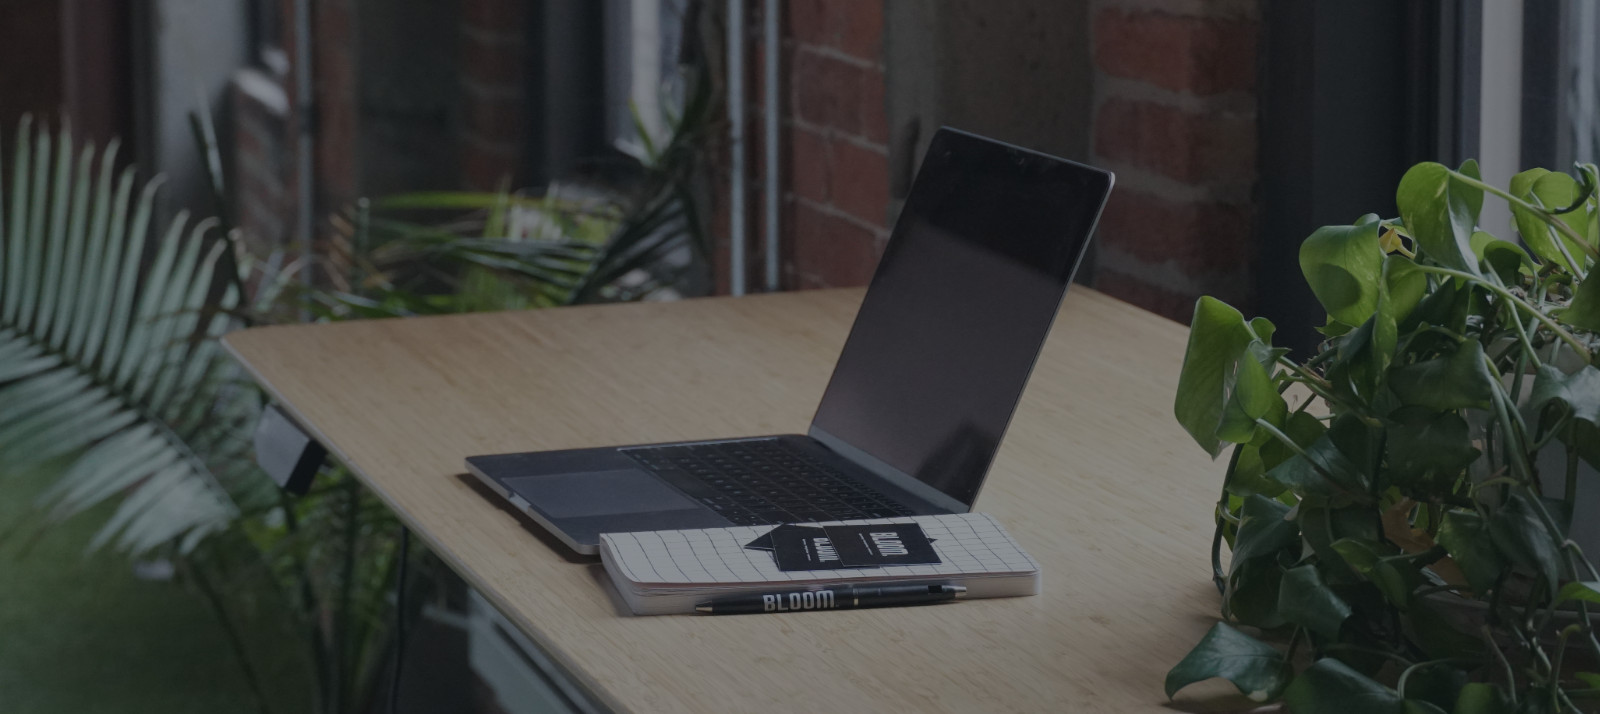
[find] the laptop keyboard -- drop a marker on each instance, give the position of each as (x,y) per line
(765,481)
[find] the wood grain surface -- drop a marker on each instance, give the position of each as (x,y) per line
(1095,479)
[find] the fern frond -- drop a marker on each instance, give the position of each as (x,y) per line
(107,349)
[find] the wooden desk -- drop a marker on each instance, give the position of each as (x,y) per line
(1095,478)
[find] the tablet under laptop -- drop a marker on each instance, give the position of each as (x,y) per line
(942,346)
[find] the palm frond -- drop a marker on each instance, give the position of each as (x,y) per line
(107,356)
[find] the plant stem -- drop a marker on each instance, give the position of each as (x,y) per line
(1322,388)
(1553,432)
(1569,497)
(1556,223)
(1345,647)
(1515,449)
(1217,576)
(1507,295)
(1522,335)
(1511,676)
(1555,667)
(1280,436)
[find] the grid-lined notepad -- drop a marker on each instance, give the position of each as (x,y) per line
(663,572)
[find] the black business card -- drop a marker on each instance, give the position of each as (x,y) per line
(764,541)
(804,548)
(879,544)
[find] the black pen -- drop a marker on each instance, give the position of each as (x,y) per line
(845,598)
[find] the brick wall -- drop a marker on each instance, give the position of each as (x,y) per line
(493,39)
(263,160)
(336,87)
(833,144)
(1175,118)
(264,132)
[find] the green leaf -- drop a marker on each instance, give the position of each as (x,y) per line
(1585,590)
(1322,526)
(1472,196)
(1441,212)
(1329,686)
(1584,310)
(1483,698)
(1551,191)
(1505,259)
(1428,449)
(1258,670)
(1254,389)
(1394,575)
(1580,391)
(1249,476)
(1521,536)
(1254,396)
(1585,437)
(1466,538)
(1458,381)
(118,318)
(1342,265)
(1436,684)
(1399,292)
(1438,635)
(1414,706)
(1218,336)
(1251,593)
(1305,600)
(1323,474)
(1263,530)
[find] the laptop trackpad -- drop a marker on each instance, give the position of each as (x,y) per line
(599,493)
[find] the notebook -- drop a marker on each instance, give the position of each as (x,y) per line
(669,572)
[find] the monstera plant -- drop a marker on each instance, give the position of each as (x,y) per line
(1398,505)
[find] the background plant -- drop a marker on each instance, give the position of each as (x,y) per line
(109,363)
(1392,534)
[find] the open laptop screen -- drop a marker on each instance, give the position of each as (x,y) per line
(959,307)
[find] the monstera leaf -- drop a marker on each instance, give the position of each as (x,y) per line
(107,362)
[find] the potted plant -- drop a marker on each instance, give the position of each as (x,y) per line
(1398,544)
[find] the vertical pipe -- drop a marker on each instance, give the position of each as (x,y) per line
(304,105)
(770,40)
(736,187)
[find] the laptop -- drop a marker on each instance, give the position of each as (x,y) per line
(941,349)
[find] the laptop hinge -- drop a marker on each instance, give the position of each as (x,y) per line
(894,476)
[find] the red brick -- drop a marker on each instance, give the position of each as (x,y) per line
(861,27)
(491,64)
(860,182)
(483,168)
(807,22)
(495,15)
(833,252)
(337,114)
(1195,54)
(853,27)
(874,108)
(1133,290)
(1187,146)
(1200,237)
(827,91)
(495,121)
(810,167)
(720,225)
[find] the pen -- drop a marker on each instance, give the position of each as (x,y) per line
(846,598)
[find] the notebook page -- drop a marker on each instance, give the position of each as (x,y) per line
(968,544)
